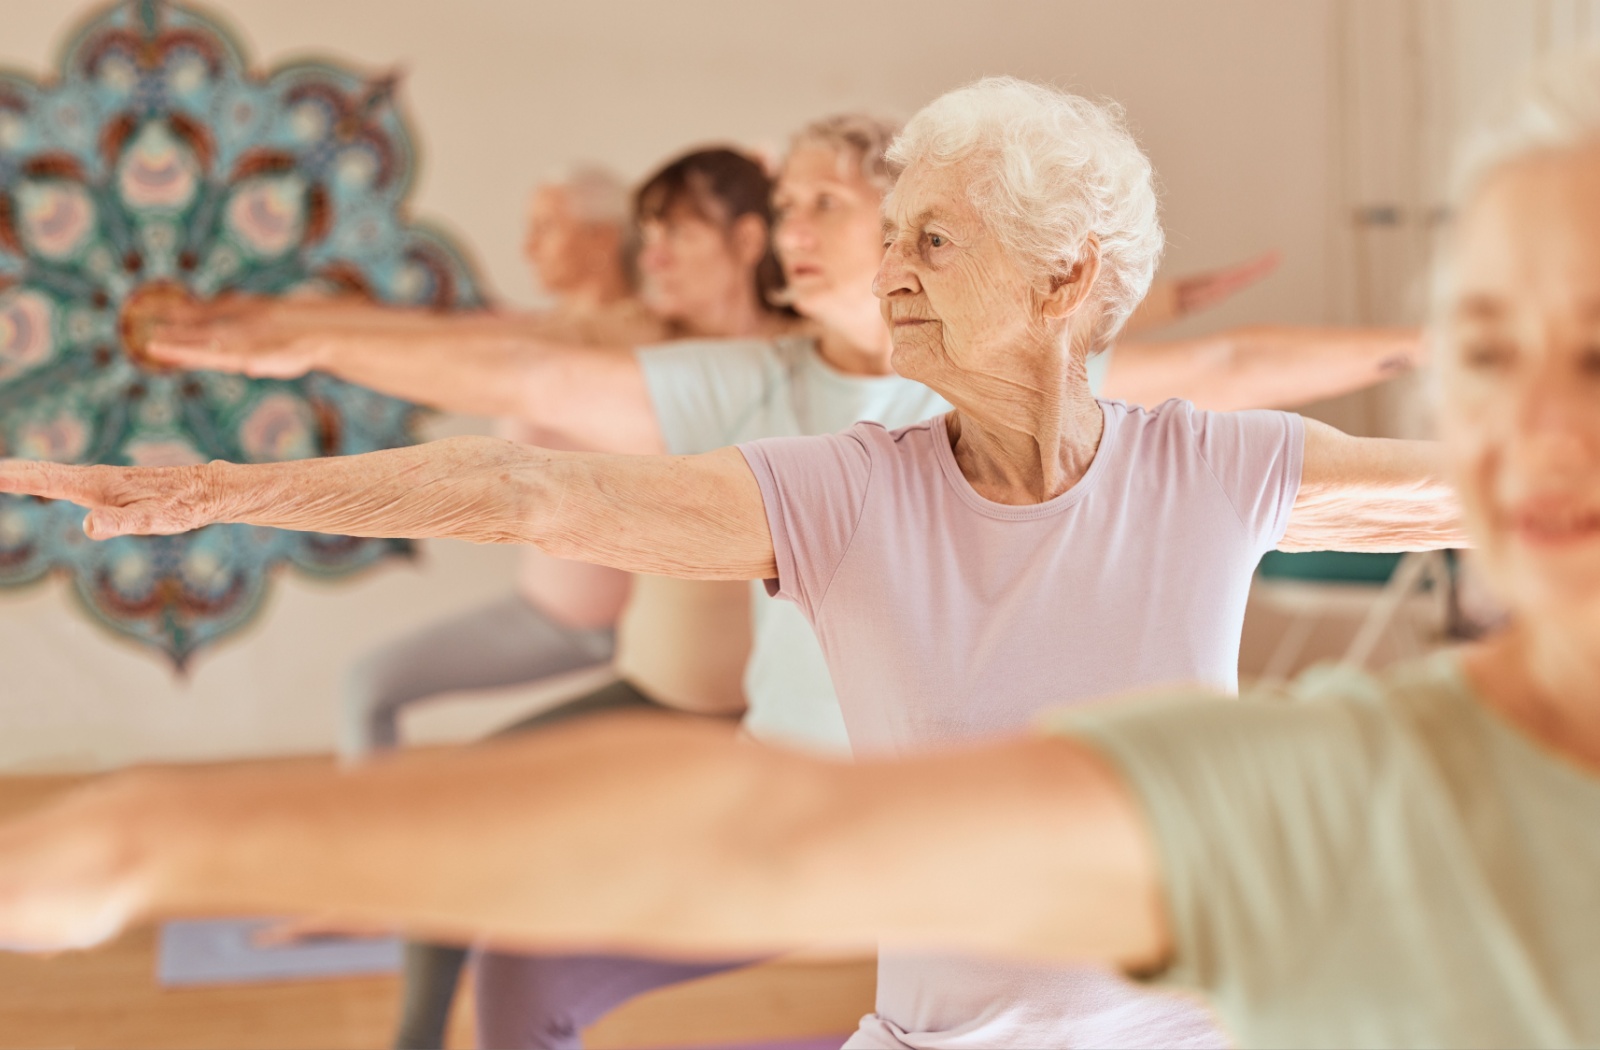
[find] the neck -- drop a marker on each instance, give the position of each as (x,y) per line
(857,342)
(1025,439)
(735,318)
(1545,678)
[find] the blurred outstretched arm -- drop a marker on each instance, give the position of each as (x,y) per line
(580,380)
(628,834)
(1266,366)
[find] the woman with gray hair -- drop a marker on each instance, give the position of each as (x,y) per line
(1031,547)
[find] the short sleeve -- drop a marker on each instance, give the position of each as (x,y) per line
(1257,457)
(814,490)
(1259,811)
(706,392)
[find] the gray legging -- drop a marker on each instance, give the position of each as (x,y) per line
(530,1001)
(506,642)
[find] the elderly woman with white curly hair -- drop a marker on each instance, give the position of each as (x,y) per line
(1035,546)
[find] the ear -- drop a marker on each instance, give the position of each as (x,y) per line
(1068,292)
(748,235)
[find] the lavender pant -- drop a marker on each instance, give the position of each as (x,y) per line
(532,1001)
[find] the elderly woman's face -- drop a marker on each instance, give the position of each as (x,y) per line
(1520,379)
(554,244)
(953,297)
(826,233)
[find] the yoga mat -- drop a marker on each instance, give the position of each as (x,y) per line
(225,951)
(816,1042)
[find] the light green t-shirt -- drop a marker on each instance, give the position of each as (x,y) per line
(1368,861)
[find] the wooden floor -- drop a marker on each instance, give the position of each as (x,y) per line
(109,998)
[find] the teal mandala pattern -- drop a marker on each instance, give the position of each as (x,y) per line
(156,163)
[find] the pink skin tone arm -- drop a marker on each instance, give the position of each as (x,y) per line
(1171,299)
(1373,494)
(537,370)
(632,833)
(1272,366)
(698,517)
(1256,366)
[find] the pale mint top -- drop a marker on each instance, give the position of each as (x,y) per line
(1369,861)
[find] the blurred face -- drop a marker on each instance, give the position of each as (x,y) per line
(1520,378)
(827,233)
(692,268)
(953,297)
(555,245)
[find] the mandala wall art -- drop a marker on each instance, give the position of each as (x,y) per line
(154,163)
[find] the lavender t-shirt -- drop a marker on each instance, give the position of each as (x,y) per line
(945,616)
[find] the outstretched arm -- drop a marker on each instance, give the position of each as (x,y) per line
(1171,299)
(634,833)
(1372,494)
(542,371)
(1262,367)
(699,517)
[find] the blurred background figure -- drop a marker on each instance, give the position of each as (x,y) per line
(707,269)
(580,247)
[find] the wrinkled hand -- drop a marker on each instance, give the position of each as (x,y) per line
(72,874)
(123,501)
(1171,300)
(249,335)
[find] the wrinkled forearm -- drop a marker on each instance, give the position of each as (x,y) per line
(460,488)
(695,517)
(1373,494)
(692,517)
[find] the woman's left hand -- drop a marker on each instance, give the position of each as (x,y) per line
(123,501)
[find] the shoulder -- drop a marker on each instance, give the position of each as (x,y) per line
(1329,714)
(903,444)
(1181,420)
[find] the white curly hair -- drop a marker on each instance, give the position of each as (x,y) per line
(1053,169)
(1554,106)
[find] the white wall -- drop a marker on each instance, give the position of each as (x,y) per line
(1233,98)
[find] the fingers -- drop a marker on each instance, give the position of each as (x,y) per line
(65,879)
(122,501)
(201,349)
(1205,290)
(26,477)
(187,348)
(148,517)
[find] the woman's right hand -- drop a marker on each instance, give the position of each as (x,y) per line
(77,872)
(248,335)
